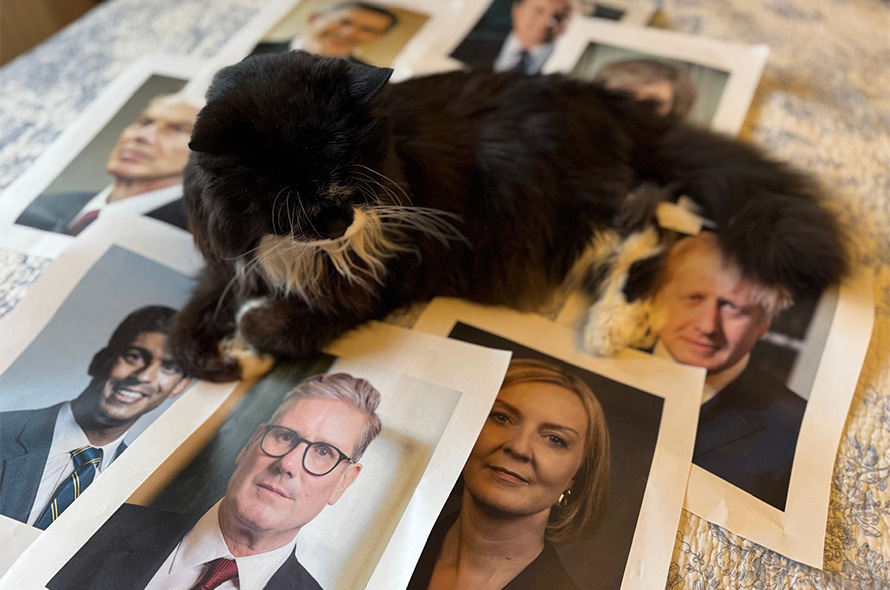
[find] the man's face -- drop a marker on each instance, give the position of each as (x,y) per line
(155,146)
(338,33)
(140,378)
(712,320)
(276,497)
(536,22)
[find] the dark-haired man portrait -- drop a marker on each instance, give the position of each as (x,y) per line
(303,459)
(50,455)
(338,30)
(146,165)
(534,28)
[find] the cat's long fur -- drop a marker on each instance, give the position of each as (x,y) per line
(485,186)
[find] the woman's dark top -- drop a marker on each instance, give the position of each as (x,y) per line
(544,573)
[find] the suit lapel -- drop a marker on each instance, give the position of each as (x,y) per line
(23,466)
(726,419)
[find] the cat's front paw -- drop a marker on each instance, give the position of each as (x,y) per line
(251,363)
(613,325)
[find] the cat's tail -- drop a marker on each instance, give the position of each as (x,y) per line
(771,219)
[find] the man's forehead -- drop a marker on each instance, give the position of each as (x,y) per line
(171,109)
(335,421)
(705,271)
(150,340)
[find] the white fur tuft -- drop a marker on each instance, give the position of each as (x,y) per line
(614,324)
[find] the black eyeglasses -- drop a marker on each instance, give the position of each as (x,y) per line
(318,458)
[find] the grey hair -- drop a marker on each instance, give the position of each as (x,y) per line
(358,393)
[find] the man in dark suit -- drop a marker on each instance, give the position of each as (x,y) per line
(337,30)
(43,449)
(146,165)
(713,317)
(303,459)
(524,46)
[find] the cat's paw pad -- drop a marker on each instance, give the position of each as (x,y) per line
(251,362)
(613,326)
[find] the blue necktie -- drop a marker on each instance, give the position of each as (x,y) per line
(525,60)
(86,465)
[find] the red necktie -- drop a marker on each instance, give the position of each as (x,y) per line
(82,223)
(218,572)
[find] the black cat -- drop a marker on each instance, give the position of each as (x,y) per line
(322,197)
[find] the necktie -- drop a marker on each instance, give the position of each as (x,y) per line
(219,571)
(525,60)
(82,223)
(86,464)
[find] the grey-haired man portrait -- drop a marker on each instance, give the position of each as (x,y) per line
(303,459)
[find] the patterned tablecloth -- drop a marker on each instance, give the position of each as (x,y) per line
(823,103)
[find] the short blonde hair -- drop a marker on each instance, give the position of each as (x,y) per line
(590,490)
(706,244)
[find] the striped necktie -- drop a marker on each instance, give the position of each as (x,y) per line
(86,465)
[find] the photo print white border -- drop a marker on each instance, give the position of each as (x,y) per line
(242,43)
(69,145)
(466,14)
(656,530)
(160,243)
(474,371)
(799,532)
(743,63)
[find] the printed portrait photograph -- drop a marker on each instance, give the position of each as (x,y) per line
(685,90)
(299,485)
(134,164)
(362,32)
(761,353)
(88,384)
(562,463)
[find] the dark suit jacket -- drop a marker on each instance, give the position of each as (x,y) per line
(747,435)
(135,542)
(544,573)
(53,212)
(480,49)
(25,439)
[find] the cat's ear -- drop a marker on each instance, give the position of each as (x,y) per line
(218,133)
(365,82)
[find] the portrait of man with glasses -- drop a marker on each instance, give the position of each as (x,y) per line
(304,458)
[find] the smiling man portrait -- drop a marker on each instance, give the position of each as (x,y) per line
(303,459)
(714,315)
(146,166)
(50,455)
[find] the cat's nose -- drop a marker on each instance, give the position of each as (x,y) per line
(336,228)
(334,223)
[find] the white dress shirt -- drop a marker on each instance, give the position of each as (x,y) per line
(67,436)
(187,562)
(511,53)
(139,204)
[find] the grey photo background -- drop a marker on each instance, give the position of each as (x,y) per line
(53,368)
(709,82)
(87,171)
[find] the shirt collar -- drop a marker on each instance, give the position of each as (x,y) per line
(68,435)
(509,55)
(205,542)
(138,204)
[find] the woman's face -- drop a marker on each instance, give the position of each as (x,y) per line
(529,450)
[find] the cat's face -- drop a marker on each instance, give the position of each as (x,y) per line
(283,148)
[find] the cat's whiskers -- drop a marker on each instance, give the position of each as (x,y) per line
(433,222)
(369,183)
(391,181)
(273,212)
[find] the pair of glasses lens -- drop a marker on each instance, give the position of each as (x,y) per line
(318,458)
